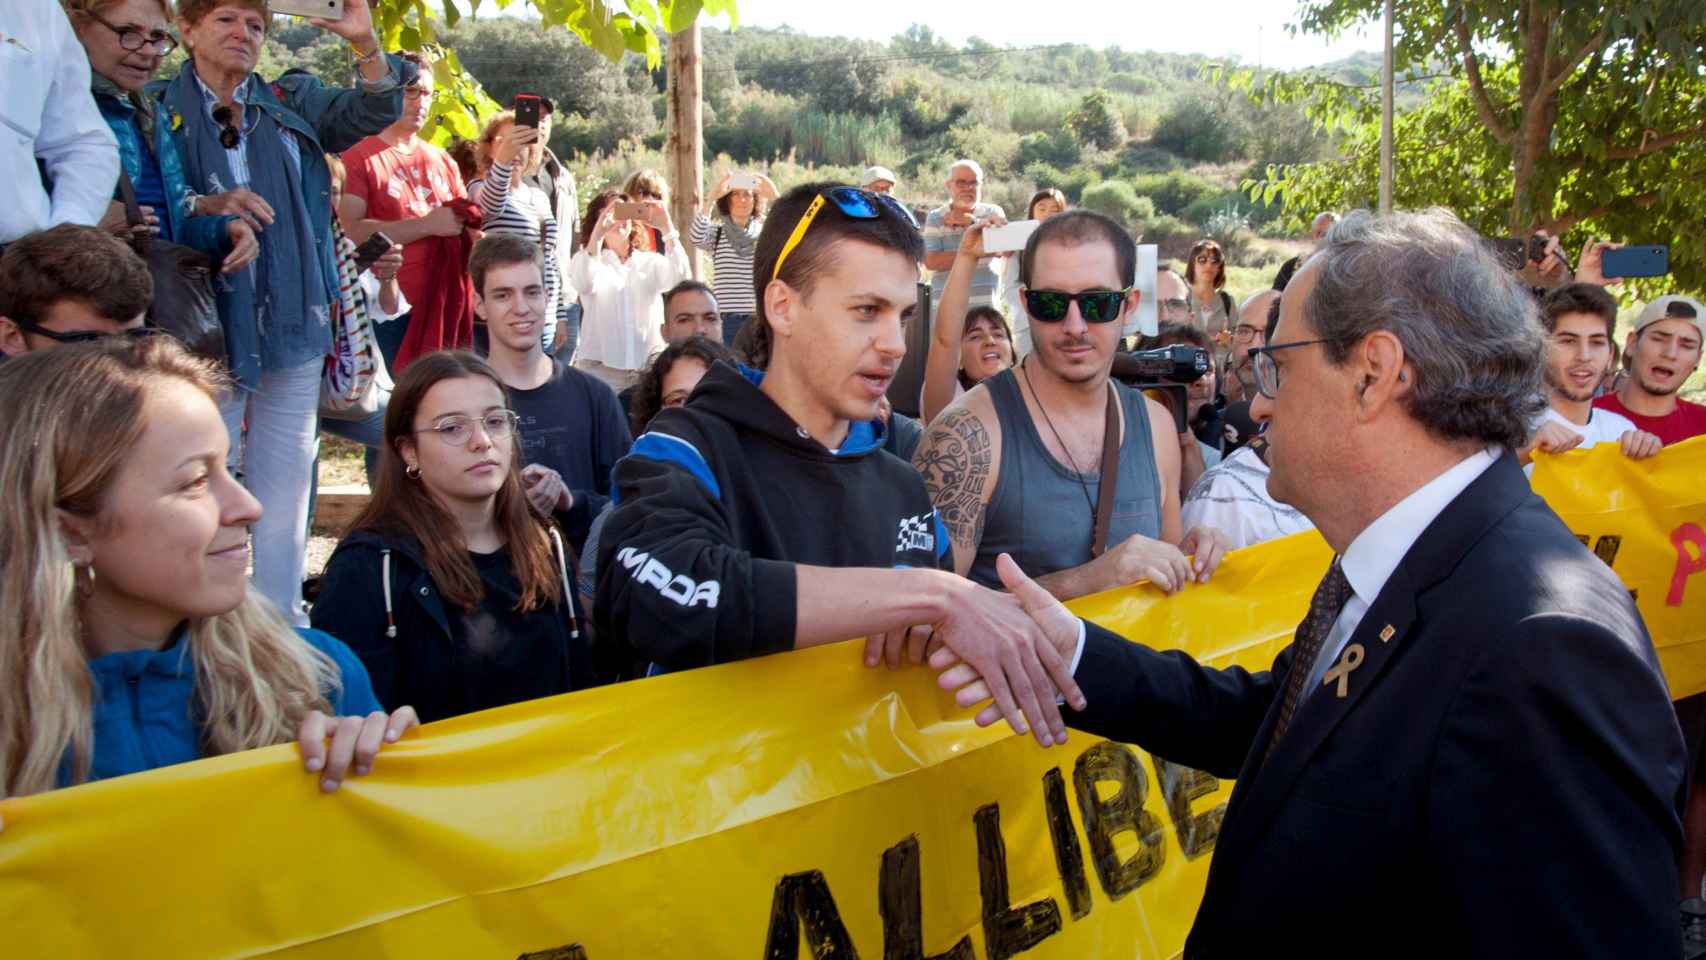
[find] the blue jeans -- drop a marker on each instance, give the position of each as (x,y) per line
(389,336)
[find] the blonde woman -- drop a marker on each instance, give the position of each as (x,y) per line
(129,638)
(508,156)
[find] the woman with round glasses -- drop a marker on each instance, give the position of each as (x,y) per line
(1205,272)
(449,587)
(126,40)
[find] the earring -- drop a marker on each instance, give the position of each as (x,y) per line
(84,589)
(412,472)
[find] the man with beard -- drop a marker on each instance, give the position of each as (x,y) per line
(1016,465)
(1663,350)
(1579,319)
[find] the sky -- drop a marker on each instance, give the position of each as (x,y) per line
(1251,30)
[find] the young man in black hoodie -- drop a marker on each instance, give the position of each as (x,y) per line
(764,516)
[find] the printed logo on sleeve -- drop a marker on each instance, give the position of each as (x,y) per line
(681,589)
(916,533)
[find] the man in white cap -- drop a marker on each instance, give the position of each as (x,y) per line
(1662,353)
(880,179)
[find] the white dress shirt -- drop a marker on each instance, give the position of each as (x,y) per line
(622,326)
(1233,497)
(1376,552)
(48,113)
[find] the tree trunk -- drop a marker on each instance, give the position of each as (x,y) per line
(685,147)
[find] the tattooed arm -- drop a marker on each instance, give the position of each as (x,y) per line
(958,458)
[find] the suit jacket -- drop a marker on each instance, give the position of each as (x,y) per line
(1504,777)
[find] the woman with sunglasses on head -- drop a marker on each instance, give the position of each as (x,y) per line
(449,587)
(1212,308)
(126,40)
(132,639)
(256,150)
(621,287)
(728,231)
(966,346)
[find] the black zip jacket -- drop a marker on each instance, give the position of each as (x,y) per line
(718,501)
(443,662)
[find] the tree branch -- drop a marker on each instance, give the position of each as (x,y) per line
(1653,144)
(1552,84)
(1567,222)
(1483,103)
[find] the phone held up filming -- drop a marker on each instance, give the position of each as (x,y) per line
(324,9)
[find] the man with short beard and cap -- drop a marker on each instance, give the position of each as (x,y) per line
(1663,351)
(1468,749)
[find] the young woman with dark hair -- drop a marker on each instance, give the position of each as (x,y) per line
(449,586)
(1205,272)
(979,345)
(621,286)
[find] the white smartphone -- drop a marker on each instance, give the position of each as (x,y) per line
(1010,237)
(325,9)
(743,181)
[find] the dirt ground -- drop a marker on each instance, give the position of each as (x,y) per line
(340,463)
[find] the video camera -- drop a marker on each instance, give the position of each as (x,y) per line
(1167,369)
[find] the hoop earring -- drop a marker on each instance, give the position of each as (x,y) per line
(412,472)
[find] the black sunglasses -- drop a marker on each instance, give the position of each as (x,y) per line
(229,136)
(85,336)
(1095,306)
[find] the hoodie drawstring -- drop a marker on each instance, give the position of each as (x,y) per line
(385,583)
(563,571)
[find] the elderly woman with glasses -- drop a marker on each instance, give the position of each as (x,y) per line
(125,41)
(256,150)
(1205,272)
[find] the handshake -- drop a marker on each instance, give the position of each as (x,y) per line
(1015,649)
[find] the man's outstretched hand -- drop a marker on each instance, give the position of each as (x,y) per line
(1059,631)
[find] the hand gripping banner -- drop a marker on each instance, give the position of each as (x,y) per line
(793,806)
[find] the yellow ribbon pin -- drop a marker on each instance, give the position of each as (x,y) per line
(1341,671)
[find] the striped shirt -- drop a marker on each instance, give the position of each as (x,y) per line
(940,238)
(731,277)
(238,156)
(523,211)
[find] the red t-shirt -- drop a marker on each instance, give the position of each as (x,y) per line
(1687,420)
(403,186)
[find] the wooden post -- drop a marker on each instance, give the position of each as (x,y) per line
(1386,171)
(686,145)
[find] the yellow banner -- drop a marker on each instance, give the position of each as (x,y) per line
(794,806)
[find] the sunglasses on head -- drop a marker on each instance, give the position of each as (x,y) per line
(1095,306)
(85,336)
(229,136)
(851,201)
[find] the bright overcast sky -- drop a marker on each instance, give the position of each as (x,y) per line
(1251,30)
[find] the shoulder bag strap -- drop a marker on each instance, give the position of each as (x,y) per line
(127,195)
(1110,474)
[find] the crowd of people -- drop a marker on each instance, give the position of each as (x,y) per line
(588,467)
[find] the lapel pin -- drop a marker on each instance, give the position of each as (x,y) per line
(1386,633)
(1341,671)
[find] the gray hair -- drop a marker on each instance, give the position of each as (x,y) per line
(1470,331)
(969,164)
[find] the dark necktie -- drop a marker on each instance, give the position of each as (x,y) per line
(1324,608)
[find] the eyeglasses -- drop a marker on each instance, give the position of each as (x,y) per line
(1208,258)
(85,336)
(965,184)
(229,136)
(852,202)
(455,431)
(1267,371)
(1176,307)
(1095,306)
(416,92)
(1244,333)
(134,40)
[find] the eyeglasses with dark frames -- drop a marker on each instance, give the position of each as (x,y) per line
(1267,371)
(86,336)
(132,39)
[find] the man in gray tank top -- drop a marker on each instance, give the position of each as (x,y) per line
(1014,466)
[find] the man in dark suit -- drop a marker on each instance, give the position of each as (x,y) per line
(1468,750)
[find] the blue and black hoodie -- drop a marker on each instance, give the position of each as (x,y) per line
(718,501)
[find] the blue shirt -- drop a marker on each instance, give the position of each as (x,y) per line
(145,705)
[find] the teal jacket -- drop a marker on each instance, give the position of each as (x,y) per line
(143,139)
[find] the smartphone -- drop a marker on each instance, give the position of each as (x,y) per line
(325,9)
(1517,252)
(526,110)
(371,250)
(743,181)
(630,211)
(1010,237)
(1649,260)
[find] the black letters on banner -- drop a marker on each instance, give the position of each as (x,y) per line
(899,897)
(1123,811)
(1068,857)
(572,951)
(803,899)
(1179,786)
(1006,930)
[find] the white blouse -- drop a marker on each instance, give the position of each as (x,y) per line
(622,326)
